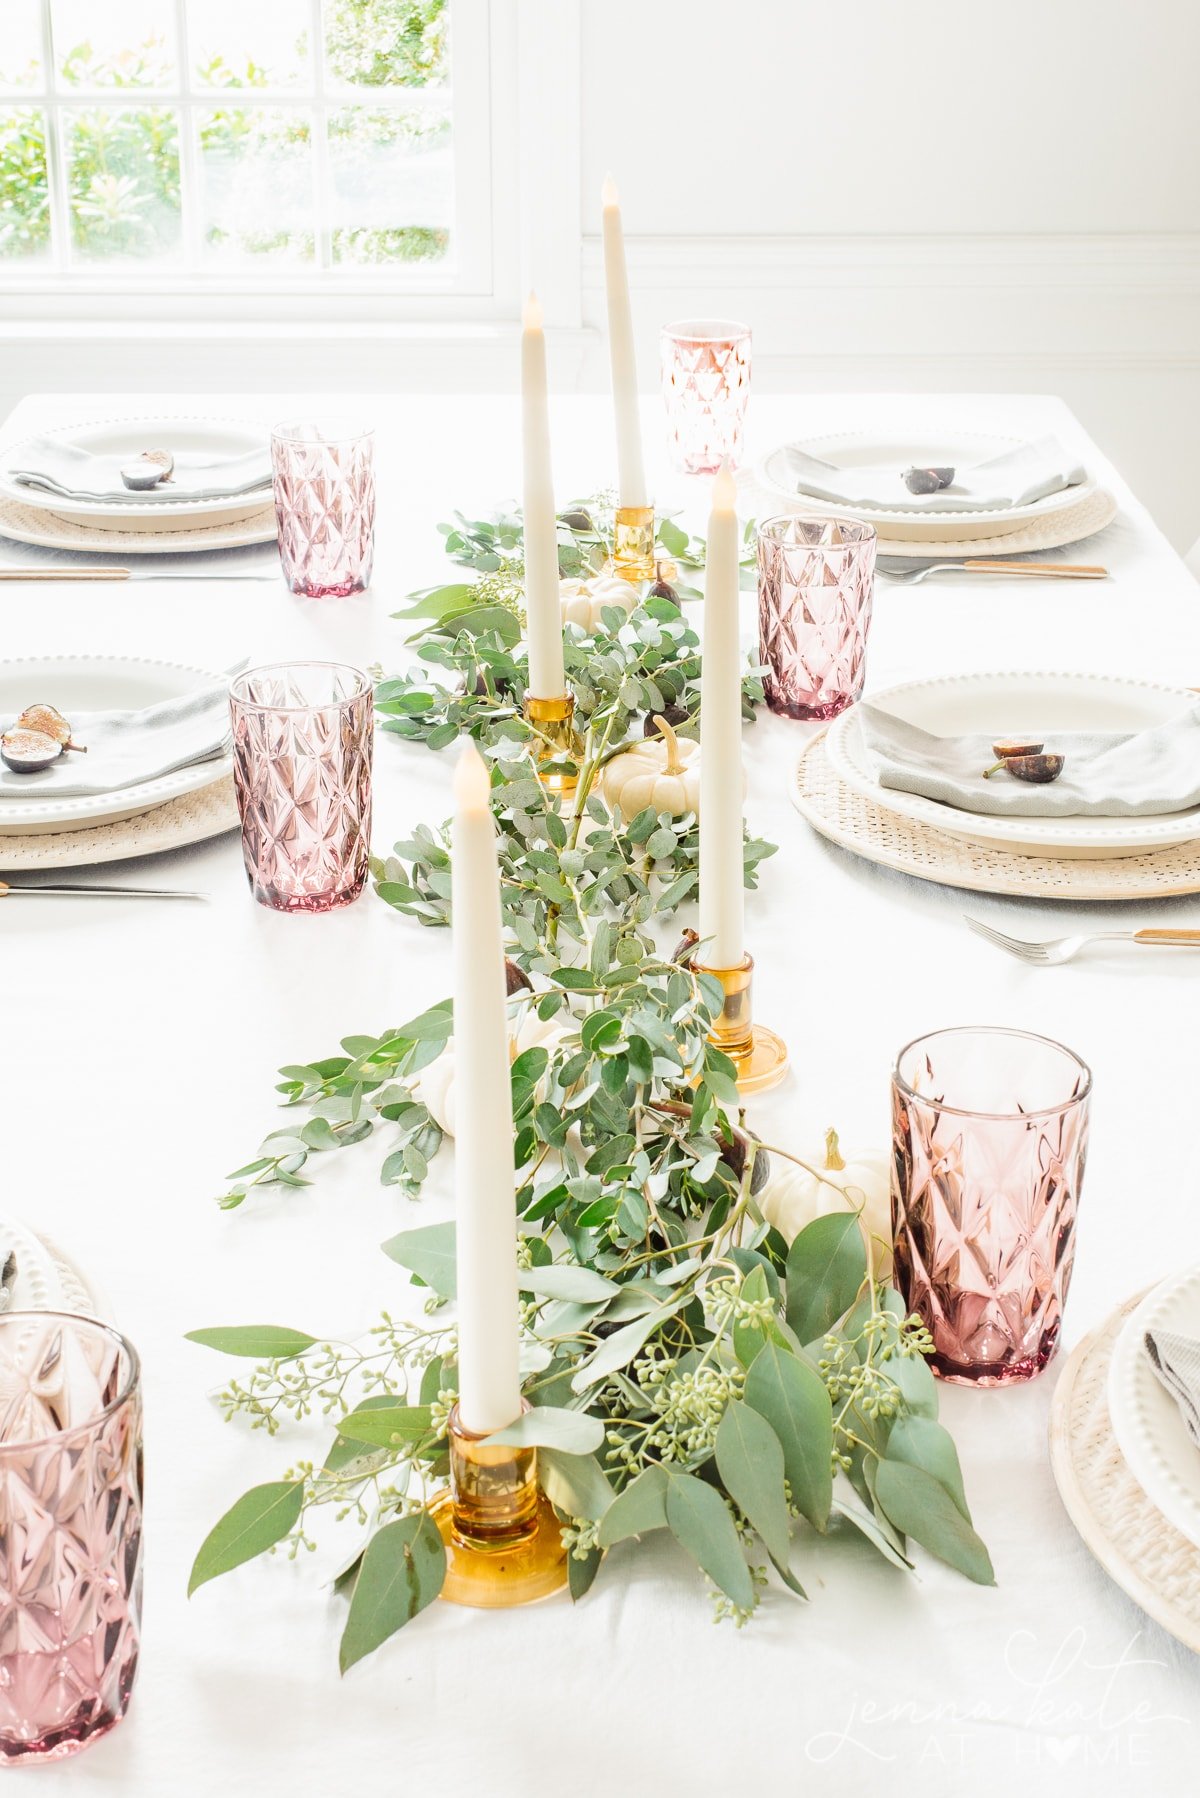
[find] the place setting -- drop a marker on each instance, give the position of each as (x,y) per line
(643,1300)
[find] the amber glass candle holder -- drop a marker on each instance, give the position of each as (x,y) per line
(758,1054)
(633,543)
(503,1542)
(557,745)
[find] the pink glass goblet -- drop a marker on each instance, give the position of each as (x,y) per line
(324,506)
(70,1532)
(989,1142)
(816,579)
(303,734)
(706,387)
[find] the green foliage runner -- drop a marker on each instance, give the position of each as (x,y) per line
(688,1369)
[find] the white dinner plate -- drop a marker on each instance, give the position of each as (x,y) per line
(129,436)
(1011,705)
(26,525)
(962,449)
(96,684)
(1146,1420)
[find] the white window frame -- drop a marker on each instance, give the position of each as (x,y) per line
(468,273)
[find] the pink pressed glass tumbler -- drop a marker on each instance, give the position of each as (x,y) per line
(816,580)
(303,734)
(706,387)
(989,1142)
(70,1532)
(324,505)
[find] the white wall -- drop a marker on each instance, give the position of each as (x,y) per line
(904,194)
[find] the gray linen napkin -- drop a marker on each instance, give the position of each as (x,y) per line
(1176,1361)
(68,472)
(1020,476)
(1107,775)
(126,748)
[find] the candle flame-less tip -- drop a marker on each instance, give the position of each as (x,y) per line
(608,193)
(531,313)
(724,489)
(471,782)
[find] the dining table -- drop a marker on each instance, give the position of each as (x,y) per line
(141,1044)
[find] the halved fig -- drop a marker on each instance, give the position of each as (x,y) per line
(49,721)
(28,751)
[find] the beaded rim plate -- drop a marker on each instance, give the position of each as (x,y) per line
(852,821)
(46,529)
(84,683)
(1082,519)
(1146,1421)
(128,436)
(1043,702)
(1146,1556)
(194,818)
(924,524)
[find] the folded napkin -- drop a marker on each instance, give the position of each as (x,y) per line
(1107,775)
(126,748)
(1176,1361)
(1020,476)
(52,466)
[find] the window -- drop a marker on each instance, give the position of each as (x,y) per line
(237,144)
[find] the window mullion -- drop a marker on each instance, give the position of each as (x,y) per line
(56,152)
(322,176)
(189,159)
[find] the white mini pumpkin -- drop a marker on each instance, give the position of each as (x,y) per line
(585,602)
(662,771)
(793,1196)
(437,1080)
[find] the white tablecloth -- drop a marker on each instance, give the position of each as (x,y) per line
(148,1042)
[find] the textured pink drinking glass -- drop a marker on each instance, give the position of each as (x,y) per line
(816,578)
(989,1141)
(70,1532)
(303,734)
(324,505)
(706,385)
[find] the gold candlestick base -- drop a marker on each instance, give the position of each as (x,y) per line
(633,543)
(557,746)
(758,1054)
(503,1541)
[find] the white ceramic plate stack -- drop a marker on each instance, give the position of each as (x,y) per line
(1127,1471)
(1007,705)
(186,806)
(1064,517)
(129,528)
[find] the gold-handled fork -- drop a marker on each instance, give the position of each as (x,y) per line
(1060,949)
(66,889)
(909,573)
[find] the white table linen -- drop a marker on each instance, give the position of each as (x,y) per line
(149,1041)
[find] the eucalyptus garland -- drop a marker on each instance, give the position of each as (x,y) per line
(687,1368)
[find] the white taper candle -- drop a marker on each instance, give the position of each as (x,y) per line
(489,1386)
(631,476)
(722,906)
(543,615)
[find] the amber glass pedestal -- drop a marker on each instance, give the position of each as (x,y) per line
(503,1541)
(557,745)
(633,543)
(758,1054)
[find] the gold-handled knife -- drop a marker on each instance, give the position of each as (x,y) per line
(66,889)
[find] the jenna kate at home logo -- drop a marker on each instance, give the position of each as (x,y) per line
(1055,1705)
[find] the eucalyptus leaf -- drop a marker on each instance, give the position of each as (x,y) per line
(640,1508)
(549,1426)
(699,1520)
(921,1508)
(401,1572)
(826,1266)
(430,1254)
(792,1398)
(750,1462)
(258,1342)
(259,1519)
(576,1485)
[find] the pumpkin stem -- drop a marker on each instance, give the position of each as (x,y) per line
(674,765)
(833,1155)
